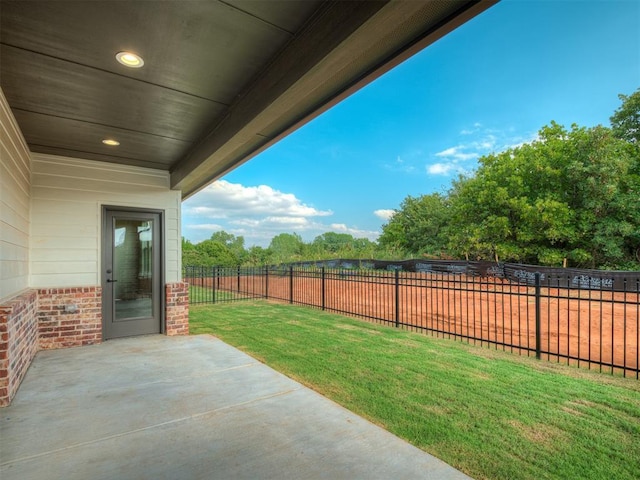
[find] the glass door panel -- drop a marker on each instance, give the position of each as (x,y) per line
(133,254)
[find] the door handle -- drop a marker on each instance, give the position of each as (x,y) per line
(111,281)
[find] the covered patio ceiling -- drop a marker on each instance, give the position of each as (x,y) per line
(222,80)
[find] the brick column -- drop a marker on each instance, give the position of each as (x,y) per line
(18,342)
(177,312)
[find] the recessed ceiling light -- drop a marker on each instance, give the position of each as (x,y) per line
(129,59)
(111,141)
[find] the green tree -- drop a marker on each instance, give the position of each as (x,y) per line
(235,244)
(257,256)
(216,254)
(190,255)
(605,197)
(364,247)
(418,226)
(512,207)
(625,121)
(332,242)
(287,247)
(569,194)
(344,245)
(392,240)
(572,195)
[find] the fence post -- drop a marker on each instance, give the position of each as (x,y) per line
(238,278)
(538,337)
(214,276)
(266,282)
(323,288)
(397,298)
(291,284)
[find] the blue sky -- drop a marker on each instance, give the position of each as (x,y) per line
(489,85)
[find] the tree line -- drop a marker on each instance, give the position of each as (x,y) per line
(227,250)
(569,198)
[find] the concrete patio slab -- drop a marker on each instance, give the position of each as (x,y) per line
(162,407)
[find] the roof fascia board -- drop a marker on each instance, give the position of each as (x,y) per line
(298,69)
(325,31)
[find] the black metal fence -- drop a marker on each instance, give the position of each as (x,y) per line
(590,324)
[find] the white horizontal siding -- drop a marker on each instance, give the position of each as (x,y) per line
(146,198)
(66,216)
(46,268)
(95,186)
(55,280)
(68,255)
(42,241)
(15,178)
(105,173)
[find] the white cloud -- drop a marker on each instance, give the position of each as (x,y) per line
(485,144)
(447,152)
(222,199)
(440,168)
(355,232)
(245,222)
(384,214)
(290,221)
(456,154)
(213,227)
(478,141)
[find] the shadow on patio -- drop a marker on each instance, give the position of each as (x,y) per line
(188,407)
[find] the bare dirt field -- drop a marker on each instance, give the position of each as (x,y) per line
(594,328)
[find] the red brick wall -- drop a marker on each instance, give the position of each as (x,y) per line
(177,312)
(18,342)
(59,326)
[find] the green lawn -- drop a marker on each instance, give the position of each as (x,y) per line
(488,413)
